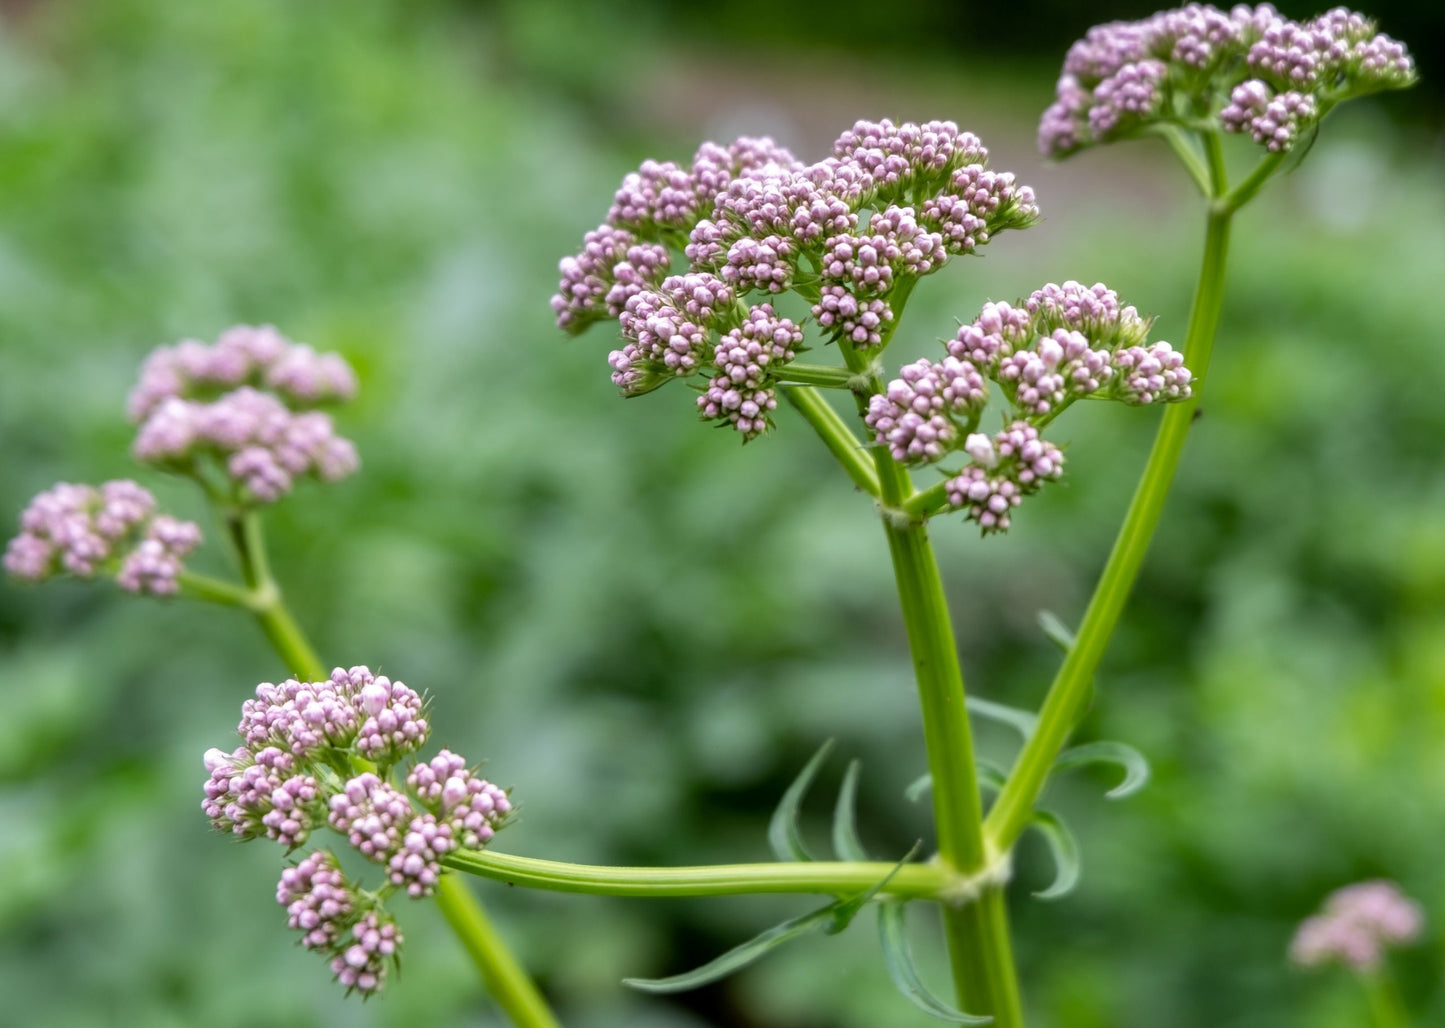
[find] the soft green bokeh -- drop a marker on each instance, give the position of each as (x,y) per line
(643,626)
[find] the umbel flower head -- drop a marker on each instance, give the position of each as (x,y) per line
(685,249)
(1259,73)
(240,410)
(323,755)
(1064,343)
(112,529)
(1356,925)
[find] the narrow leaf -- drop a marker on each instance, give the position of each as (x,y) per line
(1136,767)
(845,910)
(922,784)
(1022,721)
(1065,849)
(1058,632)
(783,834)
(846,843)
(990,777)
(738,957)
(898,955)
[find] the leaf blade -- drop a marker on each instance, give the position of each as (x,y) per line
(898,957)
(738,957)
(846,843)
(1136,766)
(1065,850)
(783,834)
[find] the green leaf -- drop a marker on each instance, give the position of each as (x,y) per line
(845,910)
(1056,630)
(1022,721)
(1136,767)
(920,785)
(783,834)
(846,843)
(1065,849)
(990,777)
(739,957)
(893,933)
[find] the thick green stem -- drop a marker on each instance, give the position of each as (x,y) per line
(980,953)
(978,937)
(505,979)
(1070,691)
(838,878)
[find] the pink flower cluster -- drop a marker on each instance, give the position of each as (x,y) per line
(1064,343)
(740,393)
(324,907)
(243,403)
(320,755)
(84,530)
(1356,925)
(1280,75)
(243,355)
(891,203)
(1005,468)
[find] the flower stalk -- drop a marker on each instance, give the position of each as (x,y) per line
(505,978)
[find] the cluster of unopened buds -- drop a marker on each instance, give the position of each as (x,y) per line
(241,410)
(1356,925)
(892,203)
(112,529)
(1065,343)
(320,755)
(1256,71)
(235,416)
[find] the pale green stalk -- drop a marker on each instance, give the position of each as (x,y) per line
(503,976)
(1069,695)
(837,878)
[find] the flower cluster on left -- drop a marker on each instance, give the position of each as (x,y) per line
(239,417)
(317,755)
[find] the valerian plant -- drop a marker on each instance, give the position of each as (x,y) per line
(726,272)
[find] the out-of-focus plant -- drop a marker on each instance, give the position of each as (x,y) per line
(1355,928)
(682,262)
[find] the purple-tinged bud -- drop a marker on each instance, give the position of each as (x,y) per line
(318,899)
(916,417)
(1356,926)
(361,965)
(1006,468)
(83,530)
(861,322)
(1144,374)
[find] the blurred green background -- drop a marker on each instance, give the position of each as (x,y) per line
(644,627)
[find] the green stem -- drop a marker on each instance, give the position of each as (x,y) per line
(977,932)
(824,375)
(980,953)
(1070,691)
(1188,155)
(1247,189)
(839,878)
(836,435)
(927,502)
(214,590)
(505,979)
(1387,1008)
